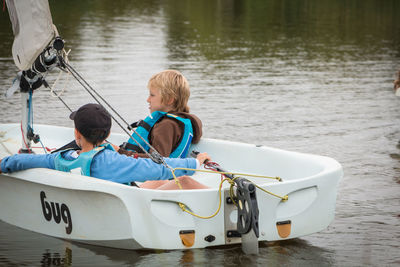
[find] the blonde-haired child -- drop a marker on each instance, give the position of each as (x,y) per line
(173,88)
(170,128)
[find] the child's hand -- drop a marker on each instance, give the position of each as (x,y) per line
(203,157)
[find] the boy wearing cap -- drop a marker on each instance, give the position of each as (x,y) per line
(98,159)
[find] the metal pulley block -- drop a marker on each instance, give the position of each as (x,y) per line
(247,206)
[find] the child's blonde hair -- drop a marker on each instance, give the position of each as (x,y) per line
(172,85)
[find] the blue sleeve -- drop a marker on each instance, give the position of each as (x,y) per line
(19,162)
(122,169)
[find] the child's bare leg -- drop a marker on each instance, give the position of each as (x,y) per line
(186,183)
(153,184)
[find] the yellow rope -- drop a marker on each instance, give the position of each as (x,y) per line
(183,207)
(232,173)
(231,193)
(284,198)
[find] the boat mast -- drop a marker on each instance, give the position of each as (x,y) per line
(26,142)
(33,31)
(31,80)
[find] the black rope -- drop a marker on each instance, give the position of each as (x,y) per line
(71,69)
(65,104)
(155,156)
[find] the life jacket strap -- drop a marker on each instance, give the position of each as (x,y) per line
(128,146)
(141,123)
(133,184)
(70,145)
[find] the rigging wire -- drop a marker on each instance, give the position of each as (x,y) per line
(65,104)
(23,139)
(53,93)
(155,156)
(86,85)
(30,126)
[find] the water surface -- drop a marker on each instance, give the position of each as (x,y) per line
(310,76)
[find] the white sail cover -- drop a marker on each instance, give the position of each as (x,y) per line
(33,29)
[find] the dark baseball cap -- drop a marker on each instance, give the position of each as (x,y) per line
(92,119)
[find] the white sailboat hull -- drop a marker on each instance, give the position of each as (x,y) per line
(94,211)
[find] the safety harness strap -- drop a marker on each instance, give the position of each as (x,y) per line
(128,146)
(141,123)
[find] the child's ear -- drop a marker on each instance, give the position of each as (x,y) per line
(76,133)
(170,101)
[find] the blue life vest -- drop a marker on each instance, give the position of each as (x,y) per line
(144,127)
(84,161)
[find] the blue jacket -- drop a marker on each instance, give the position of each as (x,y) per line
(106,165)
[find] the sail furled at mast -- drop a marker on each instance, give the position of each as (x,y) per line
(33,30)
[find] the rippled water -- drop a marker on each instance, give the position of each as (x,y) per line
(309,76)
